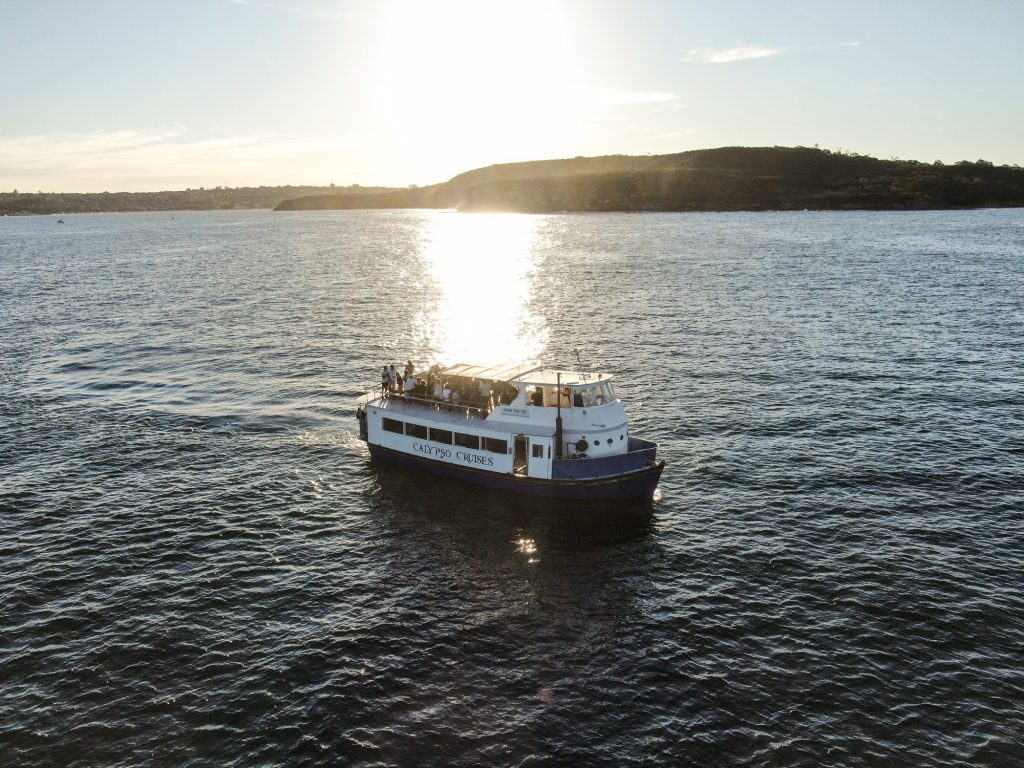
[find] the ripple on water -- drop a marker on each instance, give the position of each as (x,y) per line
(201,567)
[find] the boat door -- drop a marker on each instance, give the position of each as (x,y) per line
(540,457)
(519,459)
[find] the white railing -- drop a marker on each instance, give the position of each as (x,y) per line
(429,402)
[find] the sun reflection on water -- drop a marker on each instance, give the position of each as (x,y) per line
(483,266)
(527,547)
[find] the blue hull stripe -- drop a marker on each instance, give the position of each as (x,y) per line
(635,485)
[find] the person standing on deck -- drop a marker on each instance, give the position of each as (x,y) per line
(537,398)
(384,380)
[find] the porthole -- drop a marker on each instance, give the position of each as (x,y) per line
(620,437)
(597,443)
(609,441)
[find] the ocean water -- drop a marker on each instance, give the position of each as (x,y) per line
(199,566)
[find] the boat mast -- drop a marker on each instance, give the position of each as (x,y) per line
(579,365)
(558,416)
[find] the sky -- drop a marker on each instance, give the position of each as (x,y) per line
(140,95)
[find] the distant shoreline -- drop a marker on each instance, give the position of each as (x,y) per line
(202,199)
(720,180)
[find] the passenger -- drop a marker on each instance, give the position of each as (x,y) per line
(392,378)
(509,395)
(538,396)
(384,380)
(577,399)
(400,382)
(409,370)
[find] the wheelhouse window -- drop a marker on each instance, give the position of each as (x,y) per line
(597,394)
(605,392)
(538,451)
(416,430)
(467,441)
(392,425)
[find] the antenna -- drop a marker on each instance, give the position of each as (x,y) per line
(579,364)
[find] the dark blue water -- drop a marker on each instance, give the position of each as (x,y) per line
(200,567)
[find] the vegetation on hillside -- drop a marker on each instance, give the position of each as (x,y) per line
(725,179)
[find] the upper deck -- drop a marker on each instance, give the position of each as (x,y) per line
(564,413)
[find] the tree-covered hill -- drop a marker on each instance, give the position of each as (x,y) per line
(727,179)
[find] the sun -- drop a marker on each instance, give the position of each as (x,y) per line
(464,84)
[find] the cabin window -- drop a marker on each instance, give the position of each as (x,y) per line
(538,451)
(494,445)
(441,436)
(416,430)
(597,443)
(467,441)
(604,393)
(391,425)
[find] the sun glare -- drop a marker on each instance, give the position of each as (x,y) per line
(471,83)
(483,265)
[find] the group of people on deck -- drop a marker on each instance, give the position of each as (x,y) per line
(393,381)
(457,391)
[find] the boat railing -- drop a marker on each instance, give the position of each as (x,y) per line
(475,410)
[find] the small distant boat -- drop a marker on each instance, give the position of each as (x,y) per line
(60,221)
(526,429)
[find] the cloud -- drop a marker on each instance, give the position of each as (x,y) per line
(728,55)
(140,160)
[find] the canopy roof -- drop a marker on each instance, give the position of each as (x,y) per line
(503,372)
(567,378)
(524,373)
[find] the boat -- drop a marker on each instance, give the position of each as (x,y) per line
(521,428)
